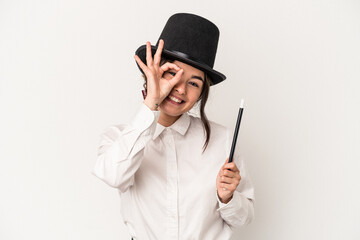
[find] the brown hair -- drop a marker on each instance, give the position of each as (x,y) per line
(203,97)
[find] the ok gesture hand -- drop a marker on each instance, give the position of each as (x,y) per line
(158,88)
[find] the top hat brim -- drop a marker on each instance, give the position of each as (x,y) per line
(216,77)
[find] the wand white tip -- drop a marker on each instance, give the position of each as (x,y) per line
(242,103)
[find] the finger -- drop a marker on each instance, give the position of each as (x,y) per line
(236,178)
(226,161)
(149,60)
(225,179)
(228,186)
(166,66)
(231,166)
(157,56)
(228,173)
(141,64)
(177,77)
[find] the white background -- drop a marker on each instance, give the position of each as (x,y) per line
(67,71)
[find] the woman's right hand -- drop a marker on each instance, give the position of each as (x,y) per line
(158,88)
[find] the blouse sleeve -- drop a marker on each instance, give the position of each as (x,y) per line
(121,149)
(239,210)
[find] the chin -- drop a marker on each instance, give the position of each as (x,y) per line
(172,111)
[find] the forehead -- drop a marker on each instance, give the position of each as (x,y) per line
(189,69)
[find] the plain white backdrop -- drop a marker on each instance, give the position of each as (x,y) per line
(67,72)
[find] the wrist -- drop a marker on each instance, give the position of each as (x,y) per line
(153,105)
(225,201)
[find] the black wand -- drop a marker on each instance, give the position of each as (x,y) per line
(236,131)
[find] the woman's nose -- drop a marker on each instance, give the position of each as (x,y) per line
(181,88)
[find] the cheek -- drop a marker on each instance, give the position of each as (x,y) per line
(193,97)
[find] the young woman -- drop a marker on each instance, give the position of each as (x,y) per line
(170,167)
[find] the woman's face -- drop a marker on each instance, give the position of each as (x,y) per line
(188,89)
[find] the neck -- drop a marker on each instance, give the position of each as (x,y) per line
(167,120)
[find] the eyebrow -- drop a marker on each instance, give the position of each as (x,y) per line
(197,77)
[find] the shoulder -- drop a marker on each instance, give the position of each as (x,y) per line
(114,131)
(218,145)
(217,129)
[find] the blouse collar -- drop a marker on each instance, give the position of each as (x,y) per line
(181,126)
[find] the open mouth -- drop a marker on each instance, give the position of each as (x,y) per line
(174,100)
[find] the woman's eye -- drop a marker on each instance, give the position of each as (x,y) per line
(172,73)
(194,84)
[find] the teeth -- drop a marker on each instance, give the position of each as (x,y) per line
(175,99)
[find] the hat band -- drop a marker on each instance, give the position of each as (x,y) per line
(184,55)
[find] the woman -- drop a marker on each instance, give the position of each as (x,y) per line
(171,168)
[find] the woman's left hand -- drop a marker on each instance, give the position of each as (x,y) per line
(227,180)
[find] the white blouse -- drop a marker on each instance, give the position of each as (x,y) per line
(167,186)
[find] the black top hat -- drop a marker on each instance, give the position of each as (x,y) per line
(190,39)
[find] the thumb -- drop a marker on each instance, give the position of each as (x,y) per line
(177,77)
(226,161)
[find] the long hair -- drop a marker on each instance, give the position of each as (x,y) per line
(203,99)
